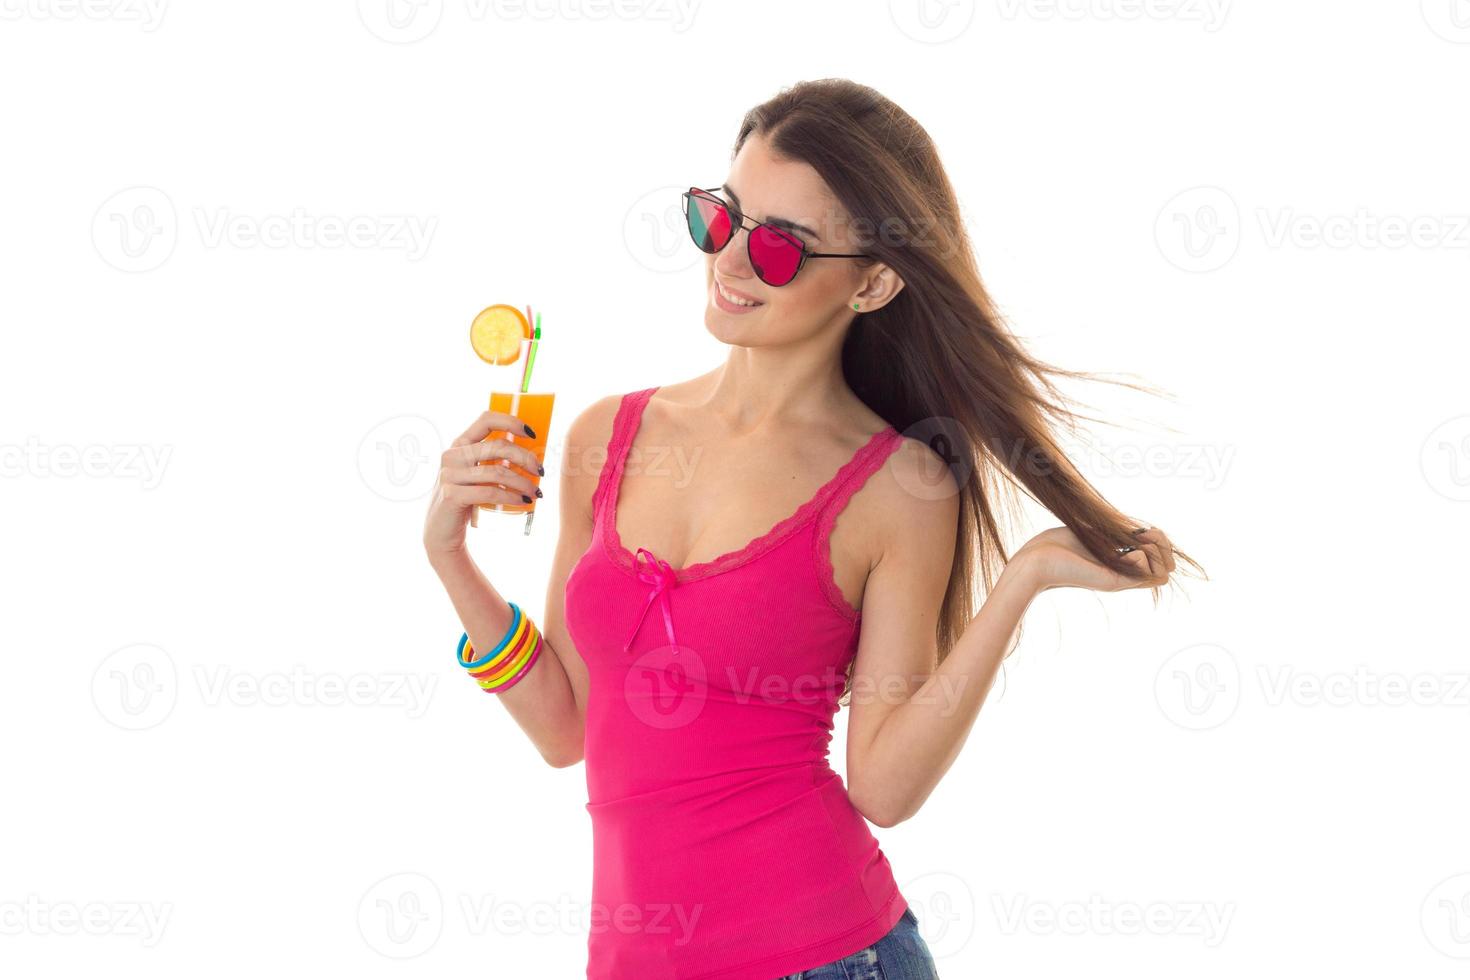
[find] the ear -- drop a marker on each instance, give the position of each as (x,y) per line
(879,287)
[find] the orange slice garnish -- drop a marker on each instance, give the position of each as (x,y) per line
(496,333)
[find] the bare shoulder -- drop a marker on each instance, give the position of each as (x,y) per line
(912,503)
(586,449)
(593,424)
(900,526)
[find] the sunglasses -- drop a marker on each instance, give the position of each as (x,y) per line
(775,255)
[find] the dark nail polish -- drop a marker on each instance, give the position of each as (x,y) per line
(529,431)
(539,493)
(540,471)
(525,498)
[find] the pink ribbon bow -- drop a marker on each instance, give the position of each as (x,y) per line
(661,577)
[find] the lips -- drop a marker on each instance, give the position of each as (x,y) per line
(745,297)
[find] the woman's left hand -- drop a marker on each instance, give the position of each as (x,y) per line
(1056,559)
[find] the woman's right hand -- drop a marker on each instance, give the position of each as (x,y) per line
(462,484)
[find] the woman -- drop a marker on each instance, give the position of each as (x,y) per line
(806,518)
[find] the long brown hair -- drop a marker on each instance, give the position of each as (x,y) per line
(940,350)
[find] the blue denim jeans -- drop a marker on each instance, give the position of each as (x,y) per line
(899,955)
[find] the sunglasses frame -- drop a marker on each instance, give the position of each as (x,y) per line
(739,223)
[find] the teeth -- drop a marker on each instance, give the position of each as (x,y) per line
(732,299)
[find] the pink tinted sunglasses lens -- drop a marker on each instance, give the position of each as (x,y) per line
(773,255)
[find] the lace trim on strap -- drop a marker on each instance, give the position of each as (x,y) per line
(864,466)
(616,453)
(629,418)
(783,528)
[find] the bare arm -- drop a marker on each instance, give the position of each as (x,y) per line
(549,703)
(910,718)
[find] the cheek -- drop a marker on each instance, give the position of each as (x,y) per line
(812,293)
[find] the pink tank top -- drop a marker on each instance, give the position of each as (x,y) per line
(724,845)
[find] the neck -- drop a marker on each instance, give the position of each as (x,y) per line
(768,389)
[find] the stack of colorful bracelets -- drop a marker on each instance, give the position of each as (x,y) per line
(503,667)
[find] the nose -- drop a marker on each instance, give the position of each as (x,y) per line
(733,261)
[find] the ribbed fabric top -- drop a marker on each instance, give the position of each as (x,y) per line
(724,845)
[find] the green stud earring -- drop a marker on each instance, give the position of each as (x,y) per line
(854,306)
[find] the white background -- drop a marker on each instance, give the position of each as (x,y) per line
(1269,767)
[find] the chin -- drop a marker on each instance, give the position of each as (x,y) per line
(720,327)
(731,329)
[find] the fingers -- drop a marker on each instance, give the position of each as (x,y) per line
(469,454)
(487,423)
(492,473)
(1167,547)
(1155,562)
(1140,561)
(1158,544)
(477,470)
(464,495)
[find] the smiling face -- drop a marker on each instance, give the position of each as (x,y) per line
(790,195)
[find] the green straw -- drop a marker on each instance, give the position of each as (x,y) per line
(531,357)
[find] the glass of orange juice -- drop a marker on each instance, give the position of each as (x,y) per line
(528,395)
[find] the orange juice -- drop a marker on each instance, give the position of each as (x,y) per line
(533,408)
